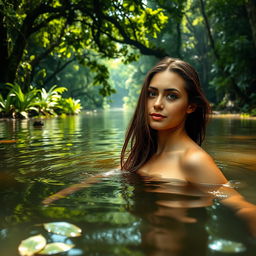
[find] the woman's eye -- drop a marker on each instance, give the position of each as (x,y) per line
(171,96)
(151,94)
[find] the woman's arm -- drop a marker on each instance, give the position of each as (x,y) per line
(84,184)
(202,171)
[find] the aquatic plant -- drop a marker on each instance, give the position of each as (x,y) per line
(21,103)
(48,101)
(6,107)
(69,106)
(37,244)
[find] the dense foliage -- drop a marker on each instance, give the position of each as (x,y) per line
(85,31)
(217,37)
(73,42)
(36,102)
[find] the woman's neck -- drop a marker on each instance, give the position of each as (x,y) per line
(171,140)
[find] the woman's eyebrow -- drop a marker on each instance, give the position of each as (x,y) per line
(167,89)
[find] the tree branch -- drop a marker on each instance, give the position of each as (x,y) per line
(44,54)
(44,23)
(159,53)
(58,70)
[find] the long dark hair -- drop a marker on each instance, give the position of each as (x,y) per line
(141,138)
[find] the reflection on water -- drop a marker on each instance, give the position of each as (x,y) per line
(121,215)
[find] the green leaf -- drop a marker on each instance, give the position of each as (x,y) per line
(62,50)
(226,246)
(32,245)
(131,8)
(63,228)
(24,114)
(197,21)
(55,248)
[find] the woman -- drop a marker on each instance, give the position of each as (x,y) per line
(164,137)
(167,130)
(168,127)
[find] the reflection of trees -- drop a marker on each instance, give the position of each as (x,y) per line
(62,152)
(128,216)
(63,146)
(120,216)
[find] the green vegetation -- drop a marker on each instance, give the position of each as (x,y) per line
(47,102)
(40,39)
(69,106)
(217,38)
(76,44)
(19,104)
(22,103)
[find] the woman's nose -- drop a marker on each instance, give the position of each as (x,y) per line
(158,104)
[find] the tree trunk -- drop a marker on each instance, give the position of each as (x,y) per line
(179,43)
(207,25)
(251,11)
(15,58)
(3,51)
(10,61)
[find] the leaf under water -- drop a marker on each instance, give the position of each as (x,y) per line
(54,248)
(32,245)
(63,228)
(225,246)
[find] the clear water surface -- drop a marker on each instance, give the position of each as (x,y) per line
(119,215)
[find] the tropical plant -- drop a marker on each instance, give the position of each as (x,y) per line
(47,102)
(36,101)
(69,106)
(22,102)
(6,107)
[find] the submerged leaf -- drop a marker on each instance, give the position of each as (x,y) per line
(63,228)
(54,248)
(226,246)
(32,245)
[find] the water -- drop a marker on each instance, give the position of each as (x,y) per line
(120,215)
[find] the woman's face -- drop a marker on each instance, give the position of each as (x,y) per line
(167,102)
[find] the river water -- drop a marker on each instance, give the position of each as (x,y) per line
(116,215)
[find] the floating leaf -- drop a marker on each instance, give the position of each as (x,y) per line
(54,248)
(225,246)
(32,245)
(63,228)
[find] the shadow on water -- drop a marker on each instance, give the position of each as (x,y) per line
(121,215)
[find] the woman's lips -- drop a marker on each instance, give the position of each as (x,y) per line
(156,116)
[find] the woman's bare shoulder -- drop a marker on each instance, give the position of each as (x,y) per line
(199,167)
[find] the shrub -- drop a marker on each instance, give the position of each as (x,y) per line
(69,106)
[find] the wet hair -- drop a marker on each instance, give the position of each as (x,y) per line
(141,138)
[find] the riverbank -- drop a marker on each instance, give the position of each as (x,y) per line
(216,114)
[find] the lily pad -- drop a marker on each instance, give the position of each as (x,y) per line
(32,245)
(226,246)
(54,248)
(63,228)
